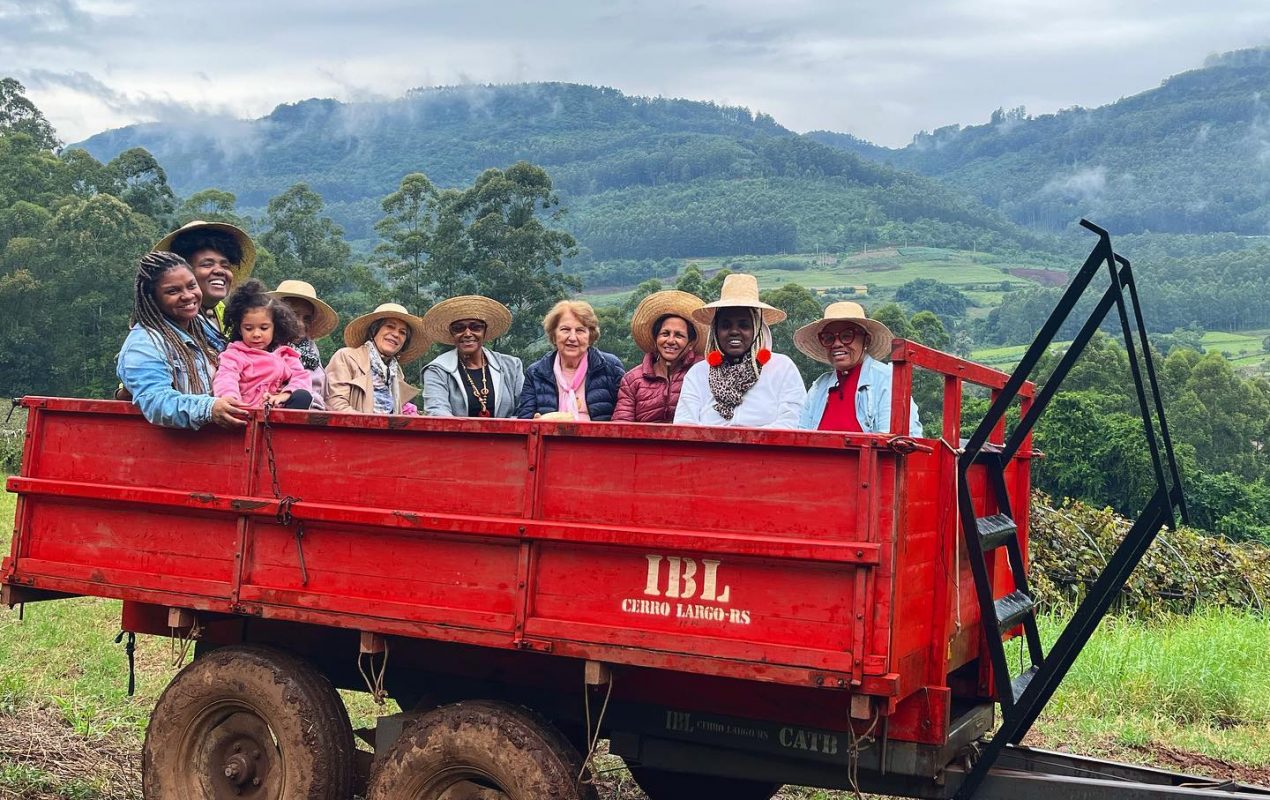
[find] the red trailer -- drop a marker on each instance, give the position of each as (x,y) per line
(733,609)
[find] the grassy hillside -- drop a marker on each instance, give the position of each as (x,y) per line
(873,275)
(1190,156)
(642,177)
(1243,349)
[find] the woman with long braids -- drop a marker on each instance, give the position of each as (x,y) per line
(741,382)
(167,362)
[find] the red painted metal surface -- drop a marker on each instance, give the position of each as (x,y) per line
(817,560)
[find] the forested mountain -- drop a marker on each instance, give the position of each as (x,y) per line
(642,177)
(1191,156)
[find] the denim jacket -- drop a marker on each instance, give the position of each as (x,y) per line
(872,400)
(145,371)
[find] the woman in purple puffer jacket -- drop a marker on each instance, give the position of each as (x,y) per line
(662,326)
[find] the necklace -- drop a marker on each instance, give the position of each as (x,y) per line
(483,392)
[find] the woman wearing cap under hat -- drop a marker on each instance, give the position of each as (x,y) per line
(317,320)
(741,382)
(221,256)
(856,394)
(365,376)
(470,380)
(662,327)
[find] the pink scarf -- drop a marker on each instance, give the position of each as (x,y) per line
(568,400)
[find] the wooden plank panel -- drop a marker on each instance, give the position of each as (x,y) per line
(738,599)
(443,473)
(124,449)
(183,547)
(476,575)
(776,491)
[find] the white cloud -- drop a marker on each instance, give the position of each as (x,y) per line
(838,64)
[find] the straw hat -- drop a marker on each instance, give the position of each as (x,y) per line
(325,319)
(495,315)
(739,291)
(241,271)
(358,331)
(657,305)
(880,336)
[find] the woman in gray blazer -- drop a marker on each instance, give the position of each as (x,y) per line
(470,380)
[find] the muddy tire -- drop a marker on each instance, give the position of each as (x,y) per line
(248,723)
(482,750)
(661,785)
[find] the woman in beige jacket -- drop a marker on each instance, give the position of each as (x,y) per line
(365,376)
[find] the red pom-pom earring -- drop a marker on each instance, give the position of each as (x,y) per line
(714,358)
(763,356)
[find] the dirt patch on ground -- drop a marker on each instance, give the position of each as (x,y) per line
(43,758)
(1045,277)
(1163,757)
(1195,764)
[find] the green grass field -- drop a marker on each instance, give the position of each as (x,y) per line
(1196,685)
(984,278)
(1243,349)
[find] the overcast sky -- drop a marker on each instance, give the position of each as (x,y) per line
(882,69)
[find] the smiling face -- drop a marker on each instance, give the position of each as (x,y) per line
(572,337)
(844,344)
(304,312)
(214,273)
(734,331)
(177,294)
(391,336)
(671,340)
(256,329)
(468,335)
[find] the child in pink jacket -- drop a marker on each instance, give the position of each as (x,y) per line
(259,367)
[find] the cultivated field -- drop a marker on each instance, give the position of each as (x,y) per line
(983,278)
(1243,349)
(1184,692)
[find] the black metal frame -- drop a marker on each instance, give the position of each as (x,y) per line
(1023,697)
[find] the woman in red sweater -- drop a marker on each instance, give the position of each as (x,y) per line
(662,327)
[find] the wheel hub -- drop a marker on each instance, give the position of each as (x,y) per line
(241,758)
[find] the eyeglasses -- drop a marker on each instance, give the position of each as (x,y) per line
(846,337)
(475,326)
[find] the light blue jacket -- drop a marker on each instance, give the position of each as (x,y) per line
(445,396)
(150,377)
(872,400)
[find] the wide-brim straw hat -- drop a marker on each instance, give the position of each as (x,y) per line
(241,271)
(358,331)
(325,319)
(739,291)
(880,336)
(496,316)
(658,305)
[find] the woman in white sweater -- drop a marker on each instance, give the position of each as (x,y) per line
(741,382)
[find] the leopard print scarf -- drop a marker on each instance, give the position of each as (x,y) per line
(730,382)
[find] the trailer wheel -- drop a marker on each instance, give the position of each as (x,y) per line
(480,750)
(248,723)
(662,785)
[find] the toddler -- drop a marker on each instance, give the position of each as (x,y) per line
(259,367)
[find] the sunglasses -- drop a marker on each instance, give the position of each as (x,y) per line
(846,337)
(475,326)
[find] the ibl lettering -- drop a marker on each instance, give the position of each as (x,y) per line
(681,579)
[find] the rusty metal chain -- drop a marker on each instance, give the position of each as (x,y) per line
(284,515)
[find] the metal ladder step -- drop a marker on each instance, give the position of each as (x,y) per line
(1020,683)
(995,530)
(1012,610)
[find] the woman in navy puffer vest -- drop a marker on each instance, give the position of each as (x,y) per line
(575,378)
